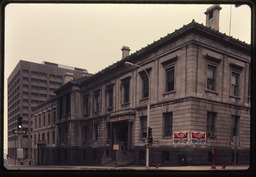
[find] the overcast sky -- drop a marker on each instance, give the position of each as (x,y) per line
(91,36)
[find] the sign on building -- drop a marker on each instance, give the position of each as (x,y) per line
(115,146)
(180,137)
(198,137)
(20,154)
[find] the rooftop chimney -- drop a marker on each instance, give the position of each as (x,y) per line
(212,16)
(125,51)
(68,77)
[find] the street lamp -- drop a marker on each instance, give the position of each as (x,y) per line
(148,107)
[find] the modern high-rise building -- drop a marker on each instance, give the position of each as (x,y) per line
(31,84)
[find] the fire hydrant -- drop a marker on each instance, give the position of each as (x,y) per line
(224,165)
(157,164)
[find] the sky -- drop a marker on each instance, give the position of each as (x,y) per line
(91,36)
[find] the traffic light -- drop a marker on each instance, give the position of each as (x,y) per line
(151,140)
(7,156)
(20,122)
(150,137)
(149,132)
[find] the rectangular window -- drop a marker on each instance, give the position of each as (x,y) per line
(68,104)
(53,137)
(66,135)
(145,87)
(49,118)
(211,122)
(97,101)
(39,121)
(25,71)
(165,156)
(169,79)
(84,134)
(86,105)
(54,115)
(234,126)
(234,84)
(142,155)
(95,152)
(211,78)
(167,124)
(110,97)
(126,93)
(60,106)
(143,127)
(35,122)
(108,130)
(43,119)
(95,131)
(35,139)
(48,138)
(84,154)
(34,73)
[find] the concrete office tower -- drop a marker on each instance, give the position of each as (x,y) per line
(31,84)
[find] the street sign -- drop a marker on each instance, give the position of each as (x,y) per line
(155,142)
(148,146)
(18,131)
(234,143)
(115,146)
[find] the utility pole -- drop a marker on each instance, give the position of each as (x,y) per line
(148,107)
(230,19)
(19,131)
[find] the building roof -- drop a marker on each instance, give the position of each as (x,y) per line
(193,26)
(177,34)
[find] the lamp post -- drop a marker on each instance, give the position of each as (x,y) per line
(148,107)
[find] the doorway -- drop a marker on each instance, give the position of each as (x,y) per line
(121,136)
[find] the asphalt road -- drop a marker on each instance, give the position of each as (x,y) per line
(172,168)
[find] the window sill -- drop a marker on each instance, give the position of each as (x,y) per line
(167,137)
(86,115)
(211,91)
(144,99)
(96,112)
(109,109)
(235,97)
(170,92)
(125,104)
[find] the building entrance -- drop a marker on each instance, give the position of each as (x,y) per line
(121,136)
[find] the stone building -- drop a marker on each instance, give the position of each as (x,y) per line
(199,94)
(31,84)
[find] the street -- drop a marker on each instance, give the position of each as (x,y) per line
(92,168)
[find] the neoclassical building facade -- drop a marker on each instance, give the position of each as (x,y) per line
(198,90)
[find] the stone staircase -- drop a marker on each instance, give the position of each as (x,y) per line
(123,160)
